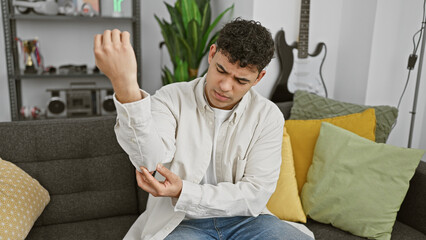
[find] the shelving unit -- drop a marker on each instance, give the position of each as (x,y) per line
(15,76)
(48,76)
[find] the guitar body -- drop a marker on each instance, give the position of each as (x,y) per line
(306,72)
(280,92)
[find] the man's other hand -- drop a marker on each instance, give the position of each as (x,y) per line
(171,187)
(115,57)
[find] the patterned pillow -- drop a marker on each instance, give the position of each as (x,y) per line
(310,106)
(22,200)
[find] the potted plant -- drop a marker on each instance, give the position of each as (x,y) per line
(187,37)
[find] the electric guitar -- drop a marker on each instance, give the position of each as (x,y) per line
(299,70)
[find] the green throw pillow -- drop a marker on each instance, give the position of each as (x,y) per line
(355,184)
(310,106)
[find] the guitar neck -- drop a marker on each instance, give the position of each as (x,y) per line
(303,43)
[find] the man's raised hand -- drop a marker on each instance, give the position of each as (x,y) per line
(115,57)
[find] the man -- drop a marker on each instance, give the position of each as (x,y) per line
(214,142)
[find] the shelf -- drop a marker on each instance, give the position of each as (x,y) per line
(50,76)
(67,18)
(16,78)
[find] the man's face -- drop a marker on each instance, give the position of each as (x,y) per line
(227,83)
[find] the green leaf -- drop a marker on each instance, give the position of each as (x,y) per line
(190,11)
(178,6)
(171,42)
(165,31)
(205,21)
(167,76)
(188,51)
(176,18)
(193,34)
(201,4)
(213,25)
(213,39)
(181,72)
(203,28)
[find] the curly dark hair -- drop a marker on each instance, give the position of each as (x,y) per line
(246,42)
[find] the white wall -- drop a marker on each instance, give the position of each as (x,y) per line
(354,50)
(395,23)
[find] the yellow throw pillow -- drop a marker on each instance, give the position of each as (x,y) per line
(285,201)
(22,200)
(304,135)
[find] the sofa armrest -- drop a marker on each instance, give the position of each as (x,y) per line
(413,209)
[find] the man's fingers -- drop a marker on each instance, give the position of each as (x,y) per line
(139,178)
(169,175)
(125,37)
(97,43)
(143,184)
(116,36)
(154,183)
(106,37)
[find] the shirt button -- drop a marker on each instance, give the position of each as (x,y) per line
(134,140)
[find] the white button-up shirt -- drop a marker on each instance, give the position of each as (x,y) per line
(175,127)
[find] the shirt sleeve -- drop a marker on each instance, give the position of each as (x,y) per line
(145,130)
(247,197)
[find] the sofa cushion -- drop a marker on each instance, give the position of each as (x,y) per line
(356,184)
(79,162)
(310,106)
(98,229)
(285,201)
(413,209)
(84,189)
(22,200)
(304,134)
(327,232)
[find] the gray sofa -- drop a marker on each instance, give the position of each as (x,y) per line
(92,184)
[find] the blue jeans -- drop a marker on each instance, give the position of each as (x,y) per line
(262,227)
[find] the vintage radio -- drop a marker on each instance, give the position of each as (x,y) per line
(81,101)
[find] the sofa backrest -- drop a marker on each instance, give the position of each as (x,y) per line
(79,162)
(285,108)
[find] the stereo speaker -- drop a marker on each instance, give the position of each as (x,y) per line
(57,105)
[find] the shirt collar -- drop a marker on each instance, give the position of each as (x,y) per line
(203,105)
